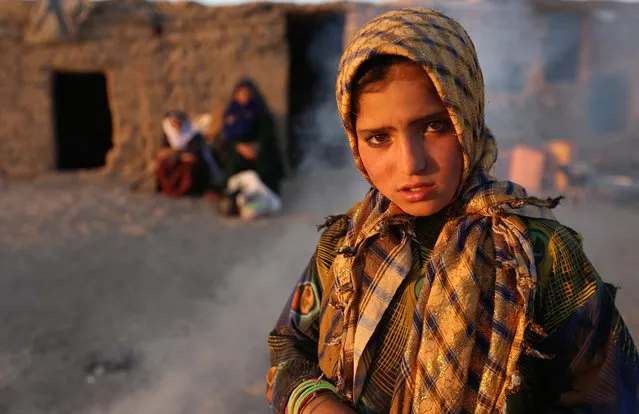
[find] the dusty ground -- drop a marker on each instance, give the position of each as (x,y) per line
(85,265)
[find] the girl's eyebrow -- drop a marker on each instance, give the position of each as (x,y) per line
(437,116)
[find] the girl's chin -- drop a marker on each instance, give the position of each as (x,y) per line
(422,208)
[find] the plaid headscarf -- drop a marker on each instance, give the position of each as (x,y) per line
(475,303)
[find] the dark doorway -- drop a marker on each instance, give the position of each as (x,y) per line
(82,120)
(316,44)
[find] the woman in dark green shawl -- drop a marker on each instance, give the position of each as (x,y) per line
(249,141)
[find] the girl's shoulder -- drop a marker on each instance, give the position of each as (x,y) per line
(553,243)
(565,277)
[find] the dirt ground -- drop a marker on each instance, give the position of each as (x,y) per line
(87,266)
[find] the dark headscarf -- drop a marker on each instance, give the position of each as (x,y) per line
(245,117)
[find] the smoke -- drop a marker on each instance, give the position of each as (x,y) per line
(324,142)
(220,362)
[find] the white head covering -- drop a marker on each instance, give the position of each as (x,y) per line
(178,138)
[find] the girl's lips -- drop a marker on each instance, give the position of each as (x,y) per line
(417,193)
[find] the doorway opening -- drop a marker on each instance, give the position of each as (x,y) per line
(82,118)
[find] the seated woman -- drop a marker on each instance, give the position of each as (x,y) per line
(248,140)
(185,163)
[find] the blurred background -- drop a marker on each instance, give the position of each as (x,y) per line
(118,301)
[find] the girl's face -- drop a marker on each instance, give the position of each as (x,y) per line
(243,95)
(407,142)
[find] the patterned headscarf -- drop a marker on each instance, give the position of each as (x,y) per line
(475,303)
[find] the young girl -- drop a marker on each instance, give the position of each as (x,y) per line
(444,290)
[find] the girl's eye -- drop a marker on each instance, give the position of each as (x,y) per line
(377,140)
(437,127)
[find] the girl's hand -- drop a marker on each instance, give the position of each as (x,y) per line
(327,404)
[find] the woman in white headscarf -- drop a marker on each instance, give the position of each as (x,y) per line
(185,162)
